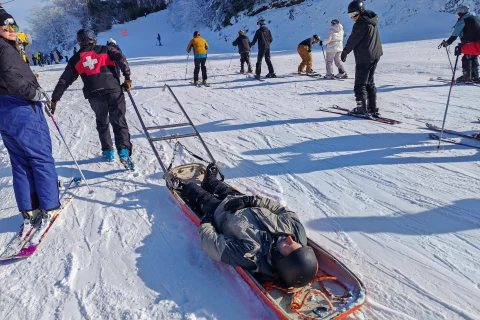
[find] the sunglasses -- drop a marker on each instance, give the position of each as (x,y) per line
(353,14)
(11,24)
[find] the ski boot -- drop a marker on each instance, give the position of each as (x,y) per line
(242,70)
(126,160)
(109,155)
(361,108)
(205,83)
(329,77)
(210,174)
(257,76)
(312,73)
(196,83)
(343,75)
(465,77)
(250,69)
(29,219)
(173,182)
(271,75)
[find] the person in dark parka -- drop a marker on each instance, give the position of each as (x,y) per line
(24,131)
(468,29)
(244,47)
(255,233)
(96,65)
(264,38)
(366,45)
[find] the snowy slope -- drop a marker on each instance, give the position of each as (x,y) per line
(401,215)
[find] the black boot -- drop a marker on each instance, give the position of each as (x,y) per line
(361,108)
(271,75)
(242,69)
(250,68)
(209,175)
(465,77)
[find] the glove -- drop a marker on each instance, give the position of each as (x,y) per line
(127,85)
(53,107)
(240,203)
(343,57)
(310,50)
(444,44)
(321,43)
(208,218)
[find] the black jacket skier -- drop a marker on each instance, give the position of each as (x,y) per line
(264,38)
(468,29)
(365,43)
(244,47)
(309,43)
(96,65)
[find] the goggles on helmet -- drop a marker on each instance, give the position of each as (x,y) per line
(333,22)
(10,22)
(353,14)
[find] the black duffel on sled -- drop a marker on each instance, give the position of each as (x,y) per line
(335,293)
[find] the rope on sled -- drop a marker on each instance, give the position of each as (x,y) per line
(296,305)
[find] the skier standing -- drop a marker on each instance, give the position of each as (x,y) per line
(64,53)
(34,60)
(159,39)
(365,43)
(264,38)
(24,131)
(96,66)
(334,43)
(468,29)
(304,49)
(244,45)
(200,47)
(257,234)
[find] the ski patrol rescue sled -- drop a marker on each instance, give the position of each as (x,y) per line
(335,293)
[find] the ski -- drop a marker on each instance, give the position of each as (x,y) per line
(253,77)
(16,243)
(435,128)
(466,83)
(437,137)
(346,112)
(40,232)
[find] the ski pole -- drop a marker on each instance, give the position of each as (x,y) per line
(48,110)
(449,60)
(324,58)
(448,100)
(186,66)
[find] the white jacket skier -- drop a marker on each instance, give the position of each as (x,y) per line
(334,43)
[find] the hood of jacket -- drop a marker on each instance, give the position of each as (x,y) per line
(468,15)
(368,17)
(336,28)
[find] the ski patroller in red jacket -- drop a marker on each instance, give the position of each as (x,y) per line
(96,66)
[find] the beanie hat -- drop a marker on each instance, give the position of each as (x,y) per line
(241,32)
(4,15)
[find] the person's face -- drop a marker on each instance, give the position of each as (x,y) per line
(287,246)
(8,32)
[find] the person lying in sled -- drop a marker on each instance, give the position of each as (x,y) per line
(257,234)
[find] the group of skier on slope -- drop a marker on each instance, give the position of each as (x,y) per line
(255,233)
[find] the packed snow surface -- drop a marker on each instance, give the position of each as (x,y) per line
(404,217)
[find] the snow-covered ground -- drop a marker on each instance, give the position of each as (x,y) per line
(404,217)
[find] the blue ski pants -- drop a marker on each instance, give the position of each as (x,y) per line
(25,134)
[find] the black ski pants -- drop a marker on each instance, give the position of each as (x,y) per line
(207,200)
(200,62)
(364,88)
(111,108)
(470,66)
(245,58)
(264,53)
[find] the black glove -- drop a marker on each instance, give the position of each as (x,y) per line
(343,57)
(321,43)
(208,218)
(240,203)
(444,44)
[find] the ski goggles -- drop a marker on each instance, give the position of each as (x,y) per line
(353,14)
(10,23)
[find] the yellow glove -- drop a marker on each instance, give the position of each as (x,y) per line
(127,85)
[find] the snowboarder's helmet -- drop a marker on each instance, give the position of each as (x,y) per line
(316,37)
(463,10)
(261,22)
(356,6)
(241,32)
(86,37)
(196,33)
(298,268)
(112,41)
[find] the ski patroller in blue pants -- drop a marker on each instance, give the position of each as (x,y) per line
(25,134)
